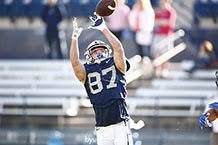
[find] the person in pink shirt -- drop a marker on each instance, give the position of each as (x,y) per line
(165,20)
(118,21)
(141,22)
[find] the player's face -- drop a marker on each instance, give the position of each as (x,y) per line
(97,51)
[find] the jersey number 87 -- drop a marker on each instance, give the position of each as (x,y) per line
(98,81)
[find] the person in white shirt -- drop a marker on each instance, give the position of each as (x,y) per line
(141,22)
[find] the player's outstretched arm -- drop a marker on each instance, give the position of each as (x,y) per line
(119,55)
(78,67)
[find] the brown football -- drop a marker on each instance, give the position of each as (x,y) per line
(105,7)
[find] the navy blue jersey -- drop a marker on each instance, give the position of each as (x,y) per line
(106,88)
(104,83)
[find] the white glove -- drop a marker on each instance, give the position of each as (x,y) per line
(76,30)
(98,22)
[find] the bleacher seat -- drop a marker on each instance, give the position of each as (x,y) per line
(42,87)
(6,7)
(203,9)
(177,95)
(37,7)
(187,84)
(34,8)
(206,8)
(21,8)
(1,7)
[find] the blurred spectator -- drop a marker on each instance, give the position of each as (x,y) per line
(52,16)
(165,20)
(118,21)
(56,138)
(206,57)
(141,21)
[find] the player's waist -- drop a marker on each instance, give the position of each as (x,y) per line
(100,104)
(122,123)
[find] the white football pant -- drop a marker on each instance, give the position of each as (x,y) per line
(116,134)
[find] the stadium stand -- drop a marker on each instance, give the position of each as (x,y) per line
(179,94)
(34,80)
(26,8)
(38,84)
(189,84)
(35,83)
(205,8)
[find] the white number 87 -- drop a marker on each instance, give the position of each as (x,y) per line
(98,82)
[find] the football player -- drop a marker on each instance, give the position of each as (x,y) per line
(103,78)
(211,113)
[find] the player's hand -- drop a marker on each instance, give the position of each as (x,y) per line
(203,120)
(76,30)
(214,105)
(98,22)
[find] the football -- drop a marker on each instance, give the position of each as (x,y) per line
(105,7)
